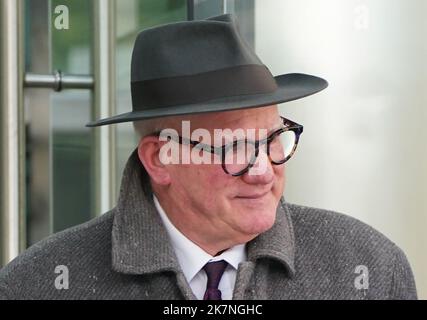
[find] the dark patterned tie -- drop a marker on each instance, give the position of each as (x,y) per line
(214,271)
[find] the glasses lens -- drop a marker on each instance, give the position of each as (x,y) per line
(282,146)
(238,156)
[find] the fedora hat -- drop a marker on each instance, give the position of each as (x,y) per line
(203,66)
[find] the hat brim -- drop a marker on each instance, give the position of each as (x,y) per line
(291,86)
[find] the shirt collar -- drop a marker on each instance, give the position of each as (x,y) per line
(191,257)
(141,243)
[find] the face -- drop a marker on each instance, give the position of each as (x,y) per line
(209,205)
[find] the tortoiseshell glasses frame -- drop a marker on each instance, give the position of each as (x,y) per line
(288,126)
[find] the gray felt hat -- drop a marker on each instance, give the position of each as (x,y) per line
(203,66)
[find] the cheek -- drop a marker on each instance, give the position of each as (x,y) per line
(214,178)
(217,187)
(203,183)
(215,181)
(279,185)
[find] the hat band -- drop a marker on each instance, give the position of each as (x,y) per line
(234,81)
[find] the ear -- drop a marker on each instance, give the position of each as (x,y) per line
(148,153)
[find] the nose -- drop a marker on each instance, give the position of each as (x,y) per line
(261,172)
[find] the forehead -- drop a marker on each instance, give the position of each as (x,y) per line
(255,118)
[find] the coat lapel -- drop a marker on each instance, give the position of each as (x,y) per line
(277,244)
(140,243)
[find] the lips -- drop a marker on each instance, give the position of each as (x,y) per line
(253,196)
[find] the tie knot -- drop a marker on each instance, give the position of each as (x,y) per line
(214,271)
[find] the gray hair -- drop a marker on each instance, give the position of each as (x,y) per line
(146,127)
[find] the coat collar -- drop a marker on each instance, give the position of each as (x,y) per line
(140,243)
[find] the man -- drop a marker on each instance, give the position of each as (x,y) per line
(202,217)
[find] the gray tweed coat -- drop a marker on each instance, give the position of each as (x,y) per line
(126,254)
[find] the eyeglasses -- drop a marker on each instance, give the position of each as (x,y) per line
(239,156)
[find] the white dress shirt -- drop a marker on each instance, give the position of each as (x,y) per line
(192,258)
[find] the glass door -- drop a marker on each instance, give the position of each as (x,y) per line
(58,43)
(77,56)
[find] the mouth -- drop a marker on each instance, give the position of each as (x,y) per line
(253,195)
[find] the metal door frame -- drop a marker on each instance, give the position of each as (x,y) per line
(12,149)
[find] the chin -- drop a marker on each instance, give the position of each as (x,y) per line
(256,222)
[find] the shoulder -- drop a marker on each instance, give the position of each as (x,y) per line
(343,244)
(83,247)
(334,226)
